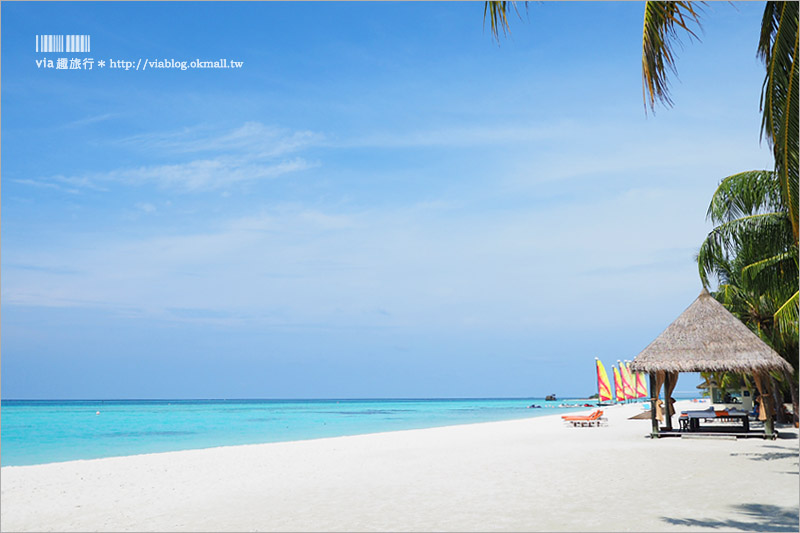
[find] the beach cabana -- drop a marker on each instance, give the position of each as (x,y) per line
(707,337)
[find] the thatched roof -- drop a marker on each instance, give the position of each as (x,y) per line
(707,337)
(706,384)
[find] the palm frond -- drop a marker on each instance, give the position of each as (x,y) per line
(762,234)
(498,16)
(778,48)
(770,275)
(662,20)
(743,194)
(786,317)
(713,261)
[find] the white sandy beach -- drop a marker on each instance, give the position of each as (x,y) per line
(524,475)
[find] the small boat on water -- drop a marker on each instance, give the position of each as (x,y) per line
(551,398)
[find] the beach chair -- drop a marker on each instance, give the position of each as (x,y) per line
(690,420)
(593,419)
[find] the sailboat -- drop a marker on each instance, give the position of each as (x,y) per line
(603,385)
(640,388)
(619,392)
(627,387)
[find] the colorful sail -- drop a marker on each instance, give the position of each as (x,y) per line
(632,379)
(603,385)
(641,386)
(618,390)
(627,389)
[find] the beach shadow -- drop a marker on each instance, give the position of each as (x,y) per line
(773,456)
(770,456)
(760,518)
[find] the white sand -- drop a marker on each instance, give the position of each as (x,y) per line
(524,475)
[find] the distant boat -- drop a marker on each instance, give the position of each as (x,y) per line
(551,398)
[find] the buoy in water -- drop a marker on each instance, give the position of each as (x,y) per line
(97,413)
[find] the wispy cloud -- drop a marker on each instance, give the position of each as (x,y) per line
(90,120)
(293,265)
(44,184)
(250,153)
(205,174)
(466,136)
(252,138)
(78,182)
(145,207)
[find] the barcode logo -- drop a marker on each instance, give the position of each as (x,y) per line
(63,43)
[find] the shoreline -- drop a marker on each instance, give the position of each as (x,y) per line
(522,413)
(530,474)
(585,410)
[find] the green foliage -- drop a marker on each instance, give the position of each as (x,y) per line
(754,257)
(662,20)
(778,47)
(498,16)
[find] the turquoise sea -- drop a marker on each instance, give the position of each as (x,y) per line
(45,431)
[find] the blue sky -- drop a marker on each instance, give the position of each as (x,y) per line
(383,201)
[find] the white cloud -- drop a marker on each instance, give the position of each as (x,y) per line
(291,265)
(145,207)
(41,184)
(90,120)
(205,174)
(252,138)
(250,153)
(466,136)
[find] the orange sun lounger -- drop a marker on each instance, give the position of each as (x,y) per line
(584,420)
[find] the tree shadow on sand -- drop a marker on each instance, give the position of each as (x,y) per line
(769,456)
(773,456)
(761,518)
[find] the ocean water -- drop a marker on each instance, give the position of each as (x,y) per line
(44,431)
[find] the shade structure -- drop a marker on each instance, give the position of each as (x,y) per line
(707,337)
(707,385)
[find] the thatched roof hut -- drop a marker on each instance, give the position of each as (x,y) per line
(707,337)
(707,385)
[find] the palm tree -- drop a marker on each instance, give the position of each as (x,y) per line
(777,47)
(753,254)
(753,250)
(756,211)
(754,229)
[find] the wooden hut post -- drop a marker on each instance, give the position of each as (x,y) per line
(653,402)
(765,403)
(667,412)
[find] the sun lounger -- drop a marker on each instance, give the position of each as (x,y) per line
(594,419)
(690,420)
